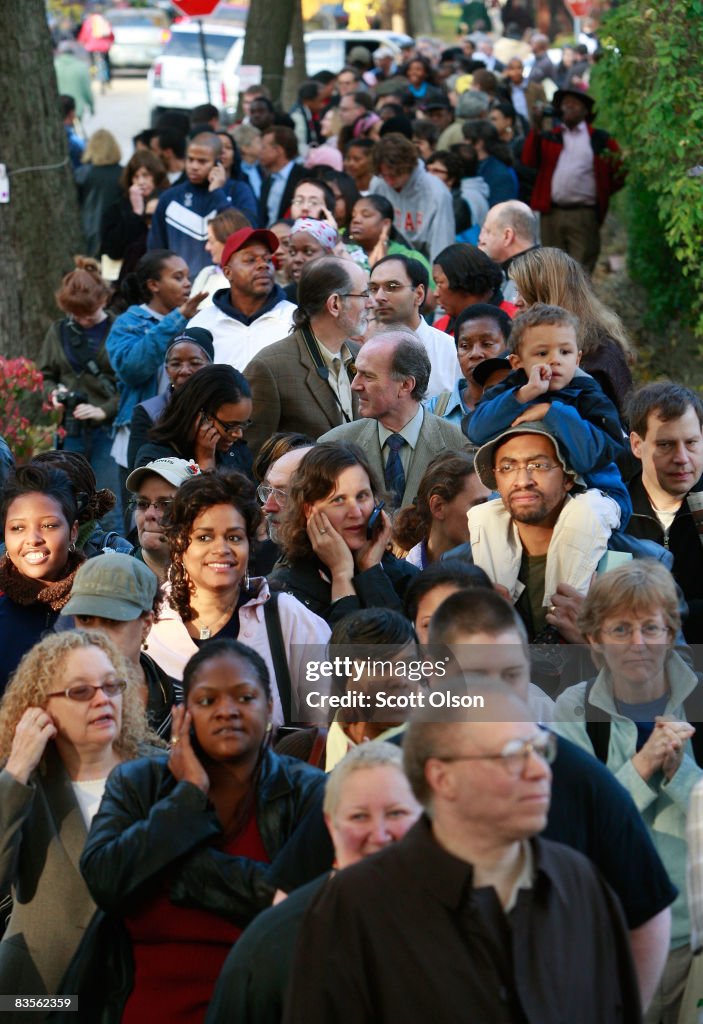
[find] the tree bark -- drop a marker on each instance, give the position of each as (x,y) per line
(268,31)
(40,227)
(419,18)
(297,74)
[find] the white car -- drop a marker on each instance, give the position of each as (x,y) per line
(328,50)
(140,35)
(177,78)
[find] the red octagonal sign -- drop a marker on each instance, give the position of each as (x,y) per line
(196,8)
(577,8)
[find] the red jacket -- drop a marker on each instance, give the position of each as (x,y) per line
(542,150)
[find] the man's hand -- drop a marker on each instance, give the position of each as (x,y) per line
(563,612)
(217,177)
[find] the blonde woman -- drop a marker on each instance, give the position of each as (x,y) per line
(98,183)
(71,714)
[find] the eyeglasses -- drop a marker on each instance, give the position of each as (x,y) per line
(160,506)
(84,692)
(355,295)
(314,204)
(515,754)
(626,630)
(229,428)
(390,288)
(535,466)
(265,491)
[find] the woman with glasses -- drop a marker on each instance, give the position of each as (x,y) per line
(152,488)
(205,421)
(633,717)
(67,719)
(212,530)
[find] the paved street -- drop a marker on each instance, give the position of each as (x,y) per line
(124,110)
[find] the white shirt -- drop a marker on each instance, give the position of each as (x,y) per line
(88,795)
(236,343)
(574,179)
(441,349)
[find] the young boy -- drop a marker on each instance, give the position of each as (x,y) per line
(547,384)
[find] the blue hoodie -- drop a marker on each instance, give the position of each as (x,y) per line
(180,222)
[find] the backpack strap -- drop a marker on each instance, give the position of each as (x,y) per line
(597,726)
(272,619)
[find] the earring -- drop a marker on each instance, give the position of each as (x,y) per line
(246,579)
(72,547)
(145,645)
(269,726)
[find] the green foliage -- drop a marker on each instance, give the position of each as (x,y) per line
(648,86)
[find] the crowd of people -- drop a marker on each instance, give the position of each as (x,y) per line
(353,392)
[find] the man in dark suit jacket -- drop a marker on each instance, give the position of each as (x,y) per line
(303,382)
(392,373)
(279,150)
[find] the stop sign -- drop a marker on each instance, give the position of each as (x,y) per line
(577,8)
(196,8)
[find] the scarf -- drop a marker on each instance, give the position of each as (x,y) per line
(23,591)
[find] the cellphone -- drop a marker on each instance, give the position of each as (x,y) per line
(375,521)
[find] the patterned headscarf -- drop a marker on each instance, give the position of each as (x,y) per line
(320,230)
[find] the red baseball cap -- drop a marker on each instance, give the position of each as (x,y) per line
(247,236)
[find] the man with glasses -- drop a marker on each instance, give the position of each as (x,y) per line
(399,285)
(153,487)
(470,909)
(546,533)
(273,492)
(313,199)
(253,311)
(303,383)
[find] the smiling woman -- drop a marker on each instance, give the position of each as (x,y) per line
(216,817)
(211,528)
(39,514)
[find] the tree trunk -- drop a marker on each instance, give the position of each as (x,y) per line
(297,74)
(268,30)
(40,226)
(419,20)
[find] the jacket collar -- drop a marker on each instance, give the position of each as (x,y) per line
(682,682)
(221,299)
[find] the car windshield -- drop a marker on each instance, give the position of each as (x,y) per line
(187,44)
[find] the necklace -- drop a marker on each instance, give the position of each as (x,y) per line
(206,631)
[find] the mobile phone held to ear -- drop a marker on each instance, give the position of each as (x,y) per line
(375,522)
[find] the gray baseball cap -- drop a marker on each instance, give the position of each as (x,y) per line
(112,586)
(485,456)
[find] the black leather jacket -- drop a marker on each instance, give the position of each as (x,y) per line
(149,823)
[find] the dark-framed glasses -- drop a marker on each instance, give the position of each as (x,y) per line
(234,427)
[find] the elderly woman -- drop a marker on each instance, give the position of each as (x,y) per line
(633,718)
(67,719)
(186,849)
(335,557)
(212,527)
(368,805)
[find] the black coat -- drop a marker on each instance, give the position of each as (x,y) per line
(134,844)
(379,587)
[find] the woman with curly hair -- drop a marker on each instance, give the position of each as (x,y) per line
(211,529)
(69,716)
(552,276)
(187,848)
(335,557)
(39,513)
(436,523)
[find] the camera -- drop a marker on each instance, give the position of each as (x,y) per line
(548,110)
(69,400)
